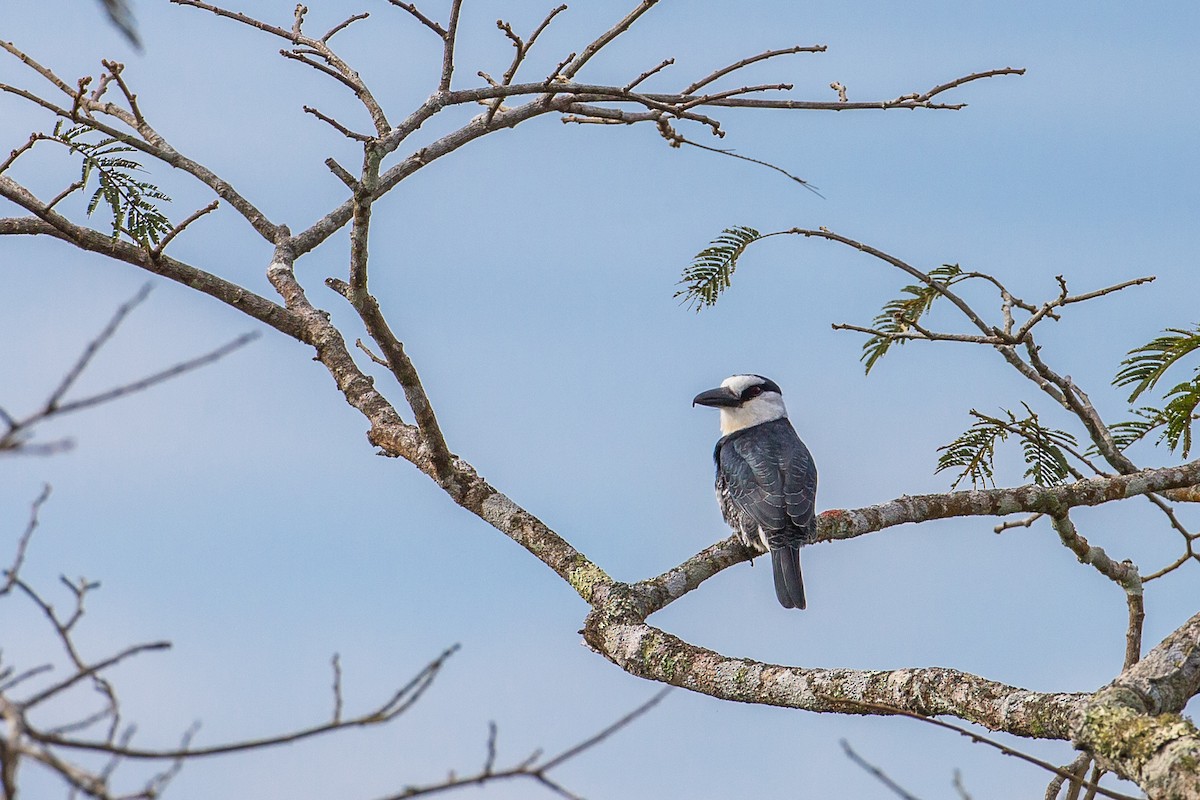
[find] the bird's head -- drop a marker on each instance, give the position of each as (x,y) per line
(744,401)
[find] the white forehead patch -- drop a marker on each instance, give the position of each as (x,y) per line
(740,383)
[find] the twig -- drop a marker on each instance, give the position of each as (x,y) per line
(93,347)
(1073,772)
(522,48)
(359,344)
(975,737)
(339,127)
(114,69)
(336,663)
(342,174)
(13,571)
(396,705)
(426,21)
(448,40)
(919,334)
(680,139)
(707,79)
(178,229)
(58,198)
(1017,523)
(592,741)
(571,69)
(876,772)
(343,25)
(1124,573)
(34,138)
(963,794)
(159,377)
(629,86)
(90,670)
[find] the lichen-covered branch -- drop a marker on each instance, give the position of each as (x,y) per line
(648,652)
(1133,727)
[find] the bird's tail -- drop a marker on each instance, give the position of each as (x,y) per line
(789,583)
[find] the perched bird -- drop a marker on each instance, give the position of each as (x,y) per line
(766,479)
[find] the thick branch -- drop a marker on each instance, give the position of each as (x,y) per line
(1133,726)
(647,652)
(54,224)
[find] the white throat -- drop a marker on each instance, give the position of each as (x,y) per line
(766,407)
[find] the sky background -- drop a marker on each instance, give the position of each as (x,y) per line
(239,511)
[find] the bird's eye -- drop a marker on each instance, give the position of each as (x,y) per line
(753,391)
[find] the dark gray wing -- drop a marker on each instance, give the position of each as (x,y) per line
(771,477)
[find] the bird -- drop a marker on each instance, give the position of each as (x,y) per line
(766,478)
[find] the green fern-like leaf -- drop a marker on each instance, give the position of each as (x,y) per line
(974,452)
(1147,364)
(1046,463)
(1126,433)
(899,315)
(1179,414)
(1143,369)
(128,199)
(712,268)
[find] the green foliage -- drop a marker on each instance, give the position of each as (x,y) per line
(899,315)
(1126,433)
(1143,369)
(1179,413)
(713,267)
(128,199)
(974,452)
(1146,364)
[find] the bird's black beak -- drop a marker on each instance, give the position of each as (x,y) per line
(719,397)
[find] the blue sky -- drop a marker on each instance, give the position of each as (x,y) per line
(240,512)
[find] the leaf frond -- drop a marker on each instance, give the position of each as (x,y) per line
(1147,364)
(973,453)
(899,315)
(127,197)
(1179,414)
(712,268)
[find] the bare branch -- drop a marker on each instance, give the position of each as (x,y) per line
(1005,749)
(343,25)
(336,663)
(397,704)
(1017,523)
(178,229)
(682,140)
(592,741)
(85,238)
(18,152)
(448,42)
(629,86)
(114,70)
(528,768)
(1075,772)
(90,670)
(1123,574)
(339,127)
(745,62)
(571,69)
(11,574)
(58,198)
(875,772)
(426,21)
(159,377)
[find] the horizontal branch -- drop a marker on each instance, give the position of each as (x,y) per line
(53,224)
(400,701)
(650,653)
(836,524)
